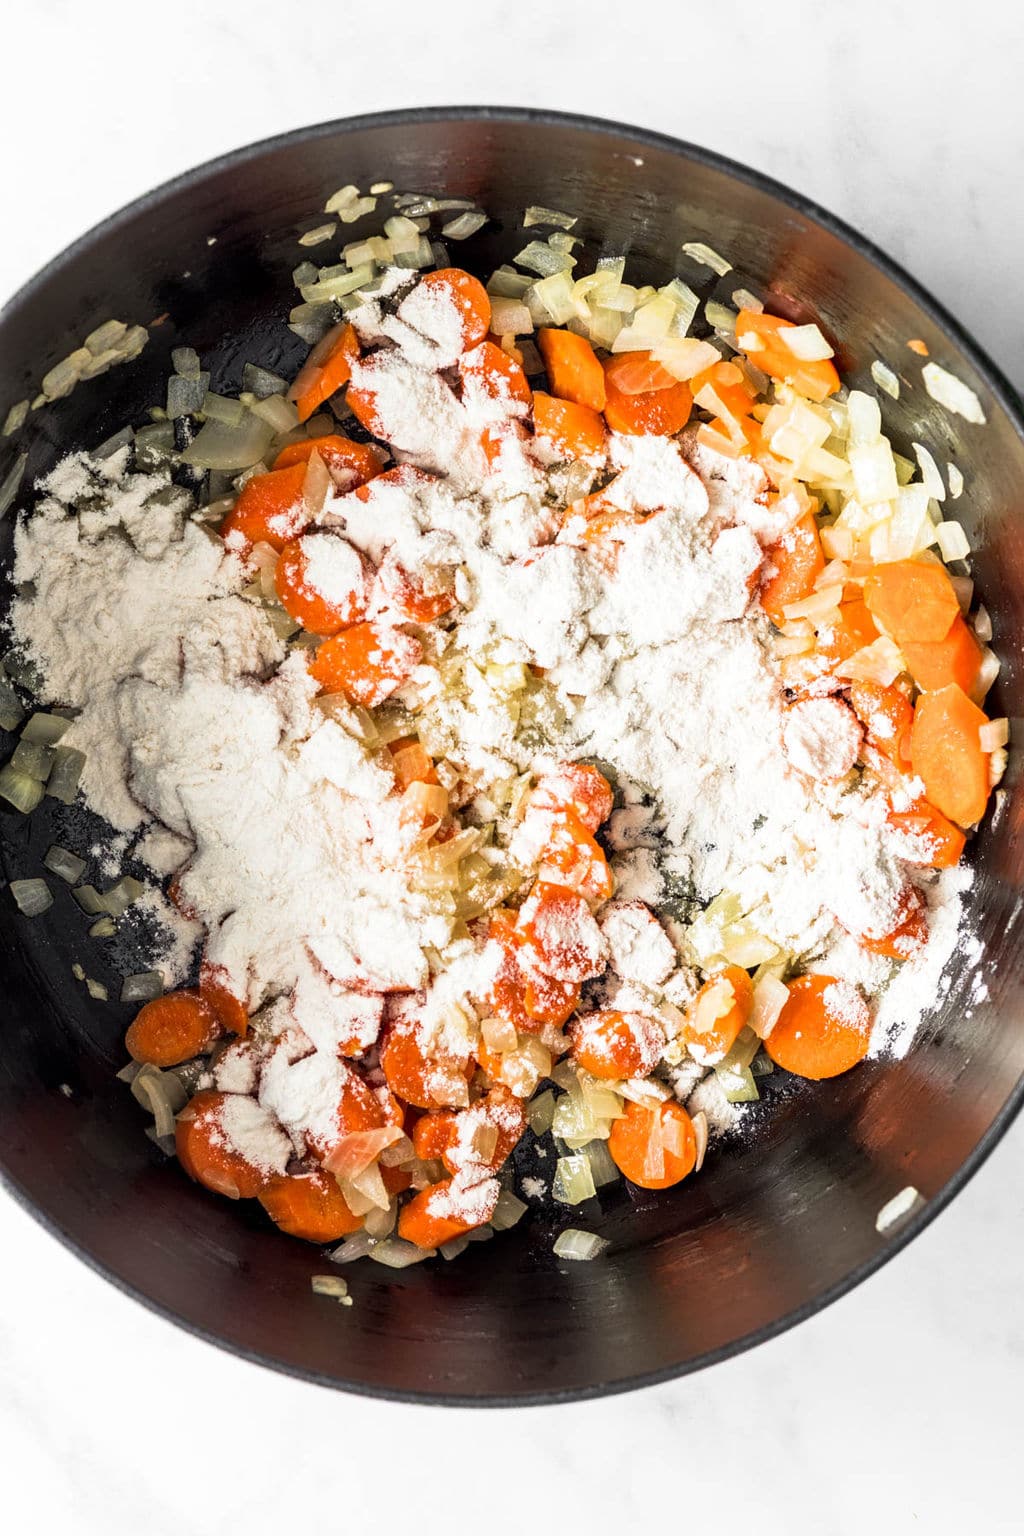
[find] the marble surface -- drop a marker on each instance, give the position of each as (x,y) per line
(897,1407)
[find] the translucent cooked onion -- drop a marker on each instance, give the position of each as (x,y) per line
(508,1210)
(543,259)
(20,789)
(574,1181)
(11,710)
(806,342)
(770,997)
(141,987)
(380,1222)
(463,225)
(62,783)
(540,1112)
(956,481)
(510,317)
(685,356)
(537,214)
(953,541)
(951,392)
(261,382)
(355,1247)
(121,895)
(31,896)
(330,1285)
(396,1253)
(65,864)
(699,252)
(219,446)
(577,1245)
(162,1094)
(930,476)
(499,1035)
(11,482)
(355,1152)
(880,662)
(699,1122)
(994,734)
(602,1169)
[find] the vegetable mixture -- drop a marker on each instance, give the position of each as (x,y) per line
(582,983)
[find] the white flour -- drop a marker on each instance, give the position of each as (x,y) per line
(655,661)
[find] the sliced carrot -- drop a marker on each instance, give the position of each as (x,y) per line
(939,841)
(559,935)
(270,509)
(574,858)
(217,992)
(469,296)
(908,936)
(325,370)
(550,1001)
(718,1013)
(657,413)
(760,337)
(351,464)
(425,1081)
(505,997)
(433,1216)
(403,477)
(358,1109)
(411,762)
(654,1146)
(611,1044)
(172,1029)
(408,598)
(729,386)
(573,431)
(498,375)
(956,659)
(306,605)
(500,1113)
(573,370)
(637,373)
(575,786)
(887,715)
(206,1154)
(434,1133)
(824,1028)
(309,1205)
(794,563)
(946,755)
(366,662)
(850,631)
(912,600)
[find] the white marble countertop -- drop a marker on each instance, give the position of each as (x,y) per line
(895,1409)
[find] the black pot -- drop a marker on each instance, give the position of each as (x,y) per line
(778,1224)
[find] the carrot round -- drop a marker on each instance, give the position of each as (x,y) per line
(946,754)
(498,1110)
(613,1044)
(760,337)
(887,715)
(205,1153)
(573,370)
(956,659)
(718,1013)
(505,996)
(908,936)
(435,1215)
(495,372)
(270,508)
(366,662)
(306,605)
(469,296)
(850,631)
(656,413)
(309,1205)
(572,431)
(172,1029)
(653,1146)
(326,369)
(408,598)
(423,1080)
(357,1109)
(575,859)
(912,600)
(937,843)
(794,564)
(216,991)
(350,464)
(434,1133)
(558,934)
(824,1028)
(549,1001)
(577,786)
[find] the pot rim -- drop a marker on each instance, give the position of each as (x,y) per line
(1010,402)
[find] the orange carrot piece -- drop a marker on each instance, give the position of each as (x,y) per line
(431,1217)
(912,600)
(557,931)
(434,1133)
(366,662)
(654,1147)
(305,604)
(350,464)
(939,841)
(419,1079)
(946,754)
(358,1109)
(498,1108)
(759,336)
(218,994)
(907,936)
(637,373)
(470,298)
(887,715)
(309,1205)
(956,659)
(505,997)
(495,372)
(575,786)
(612,1044)
(574,858)
(796,562)
(573,370)
(657,413)
(729,385)
(325,370)
(172,1029)
(820,1032)
(549,1001)
(573,431)
(205,1154)
(270,508)
(718,1013)
(408,596)
(411,762)
(851,631)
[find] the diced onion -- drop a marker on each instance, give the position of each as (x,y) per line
(499,1034)
(463,225)
(317,235)
(953,541)
(770,997)
(602,1168)
(141,987)
(357,1151)
(737,1083)
(396,1253)
(330,1285)
(700,1136)
(44,729)
(953,393)
(15,418)
(219,446)
(121,895)
(988,671)
(699,252)
(10,483)
(65,864)
(574,1181)
(930,477)
(355,1247)
(102,928)
(62,783)
(685,356)
(720,316)
(510,317)
(508,1210)
(880,662)
(956,481)
(983,625)
(543,259)
(963,586)
(540,1112)
(896,1210)
(885,379)
(11,711)
(994,734)
(576,1244)
(20,789)
(536,214)
(806,342)
(32,896)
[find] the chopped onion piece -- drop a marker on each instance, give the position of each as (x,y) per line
(65,864)
(983,625)
(880,662)
(396,1253)
(574,1180)
(953,541)
(121,895)
(956,481)
(15,418)
(20,789)
(32,896)
(737,1083)
(885,379)
(11,711)
(331,1285)
(953,393)
(543,259)
(90,900)
(507,283)
(770,997)
(103,928)
(994,734)
(540,1112)
(806,342)
(380,1221)
(451,1250)
(355,1247)
(220,446)
(744,299)
(602,1168)
(318,234)
(261,382)
(34,758)
(343,198)
(463,225)
(510,317)
(930,477)
(684,356)
(720,316)
(576,1244)
(963,586)
(45,729)
(699,252)
(10,483)
(62,783)
(895,1211)
(508,1210)
(988,672)
(700,1136)
(142,987)
(536,214)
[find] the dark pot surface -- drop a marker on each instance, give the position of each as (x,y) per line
(783,1220)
